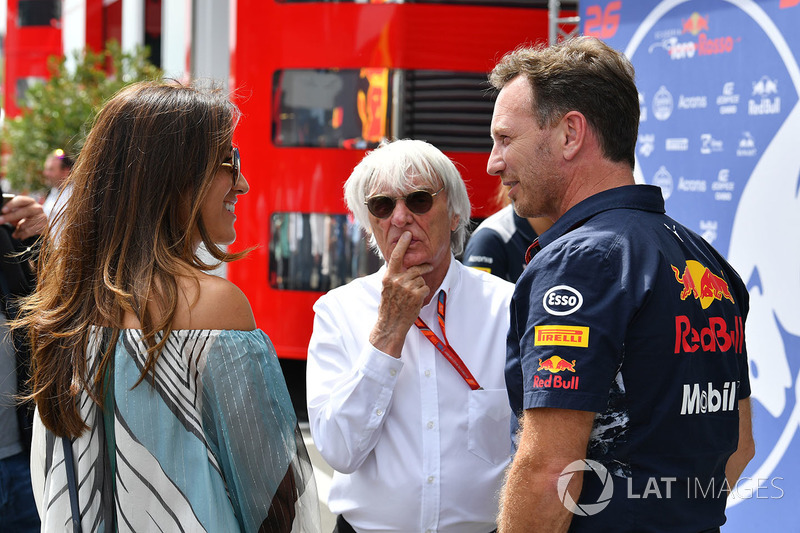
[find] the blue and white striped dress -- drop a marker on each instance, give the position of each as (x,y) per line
(210,444)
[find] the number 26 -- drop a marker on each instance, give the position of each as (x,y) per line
(602,24)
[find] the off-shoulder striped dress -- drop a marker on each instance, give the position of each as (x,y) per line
(210,444)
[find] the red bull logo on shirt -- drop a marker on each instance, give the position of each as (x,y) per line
(716,336)
(554,365)
(700,282)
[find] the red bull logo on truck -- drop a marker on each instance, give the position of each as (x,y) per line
(698,281)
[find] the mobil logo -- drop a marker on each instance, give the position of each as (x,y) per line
(699,400)
(698,281)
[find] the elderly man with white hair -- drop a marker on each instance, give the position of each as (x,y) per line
(406,394)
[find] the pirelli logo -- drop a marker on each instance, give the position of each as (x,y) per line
(562,336)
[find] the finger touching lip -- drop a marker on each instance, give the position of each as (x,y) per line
(395,240)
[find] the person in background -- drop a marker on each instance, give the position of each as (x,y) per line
(627,360)
(152,384)
(499,243)
(406,395)
(57,167)
(21,221)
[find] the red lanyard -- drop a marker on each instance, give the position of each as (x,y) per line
(444,347)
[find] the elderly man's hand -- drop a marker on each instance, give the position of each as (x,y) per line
(403,294)
(26,215)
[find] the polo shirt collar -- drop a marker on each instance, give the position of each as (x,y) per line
(641,197)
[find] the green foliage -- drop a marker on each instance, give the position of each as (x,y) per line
(59,112)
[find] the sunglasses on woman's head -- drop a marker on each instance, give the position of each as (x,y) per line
(235,165)
(418,202)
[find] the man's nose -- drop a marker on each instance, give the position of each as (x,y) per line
(401,214)
(495,165)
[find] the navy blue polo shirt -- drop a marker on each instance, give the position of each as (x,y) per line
(498,244)
(626,313)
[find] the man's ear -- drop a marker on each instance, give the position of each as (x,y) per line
(574,128)
(454,222)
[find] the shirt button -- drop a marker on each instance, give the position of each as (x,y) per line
(430,425)
(427,373)
(379,412)
(393,372)
(430,479)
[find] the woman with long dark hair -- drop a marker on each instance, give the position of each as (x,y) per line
(174,408)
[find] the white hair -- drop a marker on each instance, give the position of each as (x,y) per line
(394,164)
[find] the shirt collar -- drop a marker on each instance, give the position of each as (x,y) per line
(641,197)
(450,282)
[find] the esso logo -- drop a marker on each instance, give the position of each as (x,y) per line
(562,300)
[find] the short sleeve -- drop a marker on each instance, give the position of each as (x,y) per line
(571,317)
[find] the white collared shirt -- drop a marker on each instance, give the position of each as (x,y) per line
(413,447)
(53,205)
(55,201)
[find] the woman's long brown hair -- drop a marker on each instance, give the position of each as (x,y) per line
(127,234)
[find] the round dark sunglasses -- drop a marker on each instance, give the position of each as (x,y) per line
(235,165)
(418,202)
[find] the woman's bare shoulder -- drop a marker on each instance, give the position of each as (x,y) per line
(212,302)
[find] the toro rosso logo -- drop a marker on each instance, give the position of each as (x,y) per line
(562,300)
(695,24)
(698,281)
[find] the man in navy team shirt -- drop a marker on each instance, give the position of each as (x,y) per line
(626,354)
